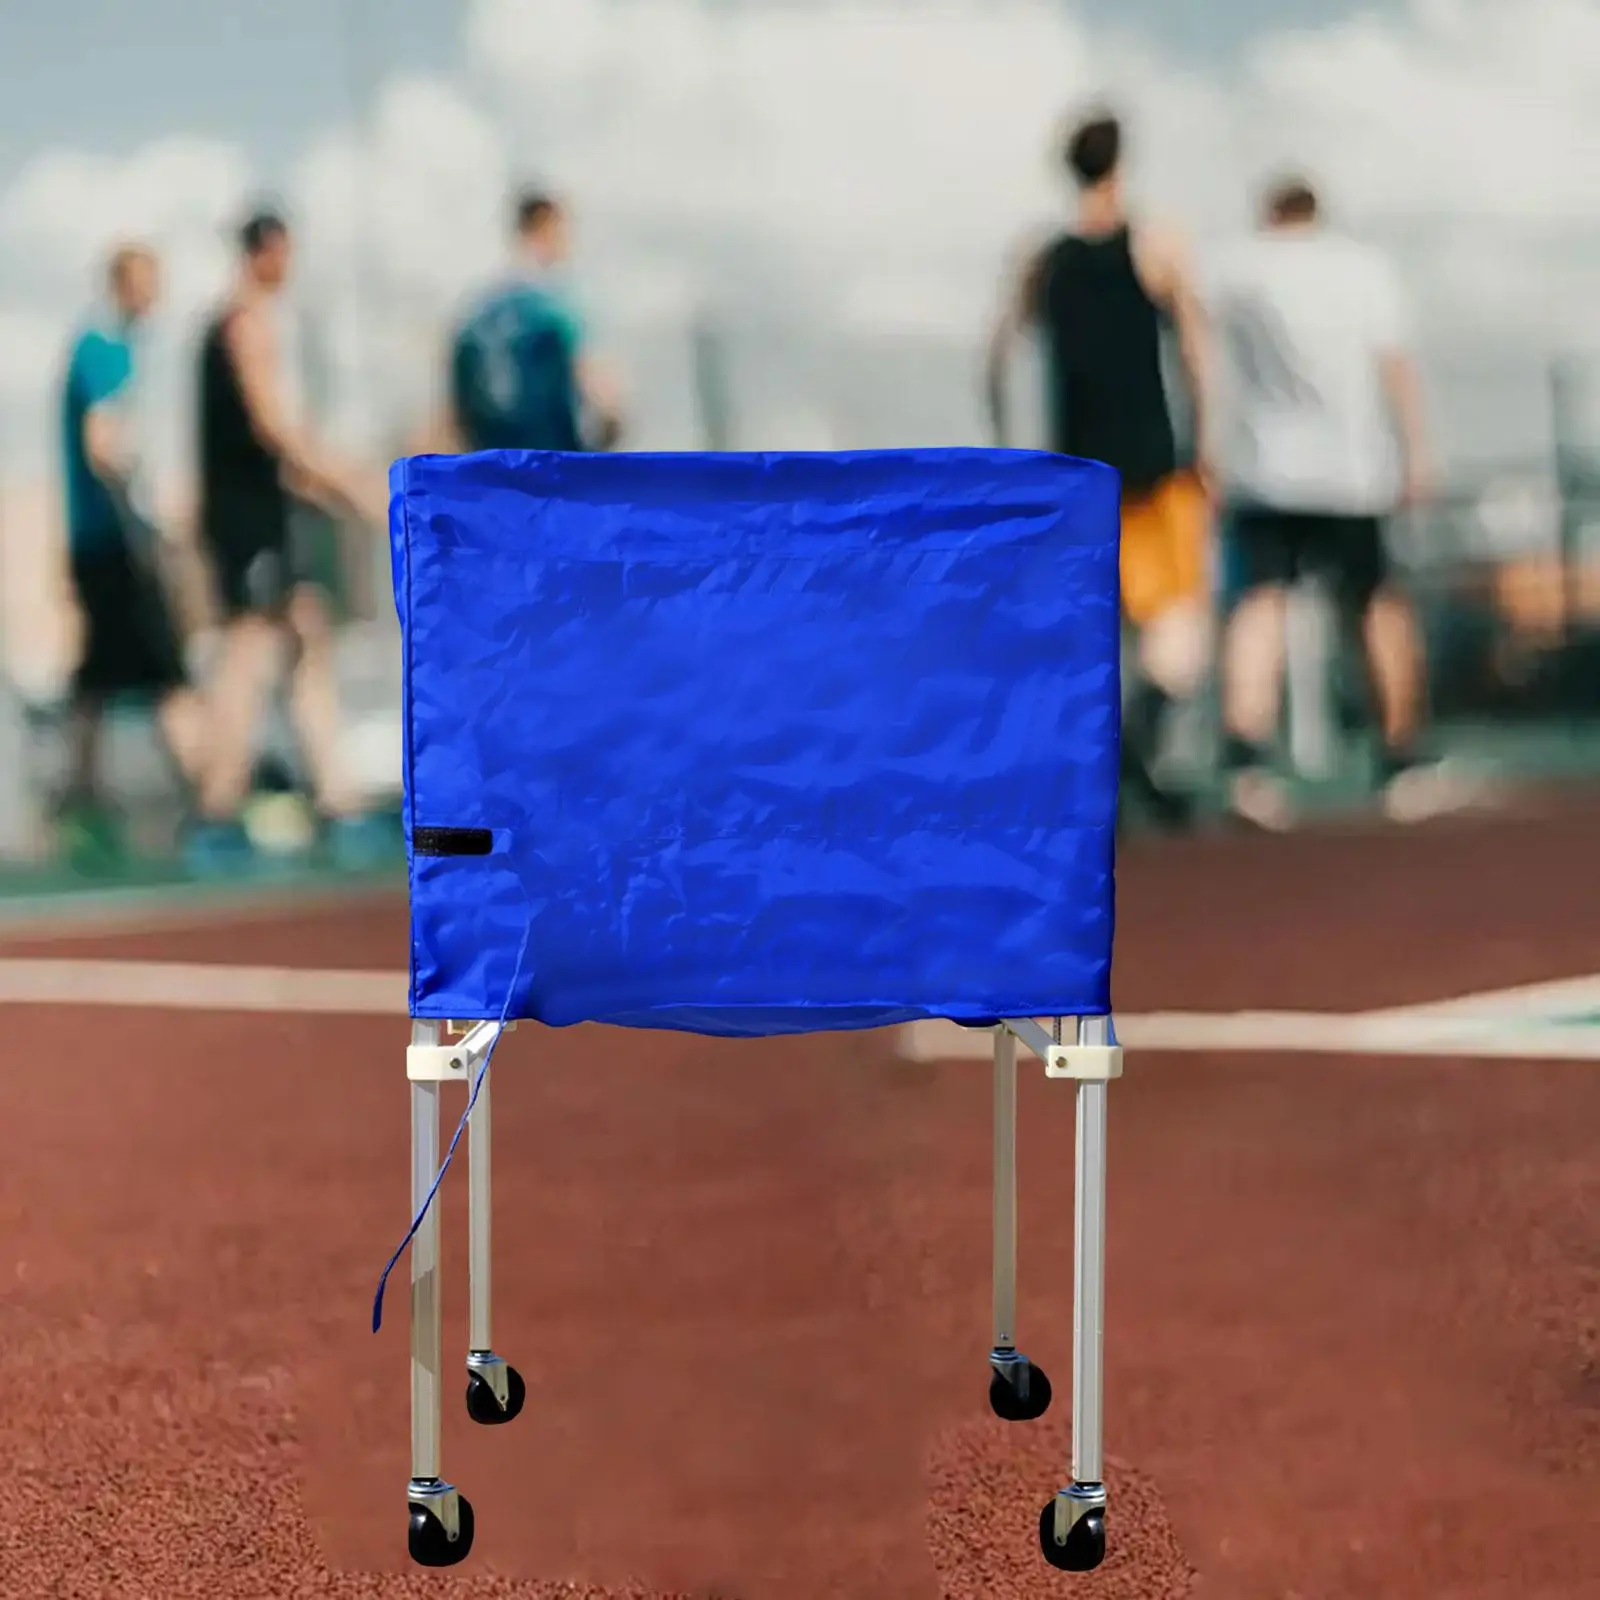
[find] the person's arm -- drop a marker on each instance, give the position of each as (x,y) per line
(1401,381)
(599,386)
(104,445)
(1017,313)
(254,352)
(1170,279)
(601,391)
(1402,387)
(308,472)
(103,371)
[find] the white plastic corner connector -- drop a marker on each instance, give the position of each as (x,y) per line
(1087,1063)
(453,1063)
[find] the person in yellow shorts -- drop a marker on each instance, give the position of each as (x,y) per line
(1101,296)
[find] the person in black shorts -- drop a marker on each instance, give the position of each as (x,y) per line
(130,644)
(1326,441)
(256,467)
(1103,296)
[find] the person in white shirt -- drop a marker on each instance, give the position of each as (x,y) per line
(1323,441)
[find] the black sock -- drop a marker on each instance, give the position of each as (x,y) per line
(1395,759)
(1241,755)
(1143,719)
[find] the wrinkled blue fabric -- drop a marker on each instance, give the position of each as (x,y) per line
(766,743)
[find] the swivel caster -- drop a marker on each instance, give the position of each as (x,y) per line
(1085,1548)
(1019,1391)
(429,1537)
(495,1392)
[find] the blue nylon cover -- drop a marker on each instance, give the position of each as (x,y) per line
(766,743)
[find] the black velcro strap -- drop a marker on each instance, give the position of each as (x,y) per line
(451,841)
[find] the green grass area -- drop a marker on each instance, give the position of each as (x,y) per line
(46,879)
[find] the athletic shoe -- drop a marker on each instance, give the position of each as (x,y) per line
(91,838)
(361,843)
(1430,789)
(1260,799)
(217,850)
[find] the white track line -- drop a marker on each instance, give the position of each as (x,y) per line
(1564,995)
(170,985)
(1523,1034)
(1520,1024)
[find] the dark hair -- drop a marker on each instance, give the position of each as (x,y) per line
(1292,200)
(533,209)
(260,229)
(1094,148)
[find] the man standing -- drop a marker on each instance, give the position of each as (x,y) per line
(1326,441)
(1102,295)
(256,464)
(130,644)
(521,374)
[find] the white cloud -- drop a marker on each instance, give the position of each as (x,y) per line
(842,159)
(1465,109)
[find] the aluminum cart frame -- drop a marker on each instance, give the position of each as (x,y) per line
(1071,1526)
(681,732)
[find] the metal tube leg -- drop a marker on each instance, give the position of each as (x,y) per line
(1005,1193)
(427,1334)
(441,1519)
(1088,1320)
(1018,1390)
(1086,1498)
(479,1223)
(495,1391)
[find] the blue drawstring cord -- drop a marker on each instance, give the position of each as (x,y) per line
(449,1155)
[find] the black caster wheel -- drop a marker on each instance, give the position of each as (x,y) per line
(1085,1548)
(427,1542)
(1011,1406)
(482,1406)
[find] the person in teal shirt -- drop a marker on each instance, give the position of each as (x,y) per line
(521,373)
(130,644)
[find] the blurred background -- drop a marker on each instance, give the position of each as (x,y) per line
(791,220)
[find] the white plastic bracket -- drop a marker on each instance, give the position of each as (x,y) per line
(1084,1063)
(453,1063)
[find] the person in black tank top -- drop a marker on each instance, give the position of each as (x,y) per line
(1102,335)
(1102,299)
(244,505)
(251,458)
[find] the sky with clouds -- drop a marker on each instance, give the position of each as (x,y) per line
(850,169)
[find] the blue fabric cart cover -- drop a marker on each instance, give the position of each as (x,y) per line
(759,744)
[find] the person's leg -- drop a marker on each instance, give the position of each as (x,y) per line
(1253,658)
(246,667)
(158,665)
(1252,666)
(1413,785)
(95,590)
(88,833)
(314,704)
(90,828)
(1164,601)
(1393,648)
(183,724)
(85,726)
(1350,555)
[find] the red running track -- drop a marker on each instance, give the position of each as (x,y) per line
(1354,1319)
